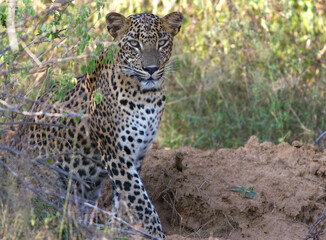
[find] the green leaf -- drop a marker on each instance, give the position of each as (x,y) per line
(77,119)
(44,27)
(49,160)
(98,96)
(105,59)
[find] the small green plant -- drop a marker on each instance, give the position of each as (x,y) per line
(245,192)
(98,97)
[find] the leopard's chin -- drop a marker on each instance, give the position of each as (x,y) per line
(149,83)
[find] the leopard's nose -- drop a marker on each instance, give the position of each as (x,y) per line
(151,69)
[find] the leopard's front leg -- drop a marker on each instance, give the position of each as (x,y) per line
(128,187)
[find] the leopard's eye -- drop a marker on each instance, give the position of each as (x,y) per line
(162,42)
(134,43)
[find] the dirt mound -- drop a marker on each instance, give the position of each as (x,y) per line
(188,188)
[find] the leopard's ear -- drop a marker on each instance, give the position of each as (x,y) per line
(116,24)
(172,23)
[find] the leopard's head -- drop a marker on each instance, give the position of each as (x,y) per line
(145,45)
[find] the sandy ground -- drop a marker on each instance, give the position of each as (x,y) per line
(188,188)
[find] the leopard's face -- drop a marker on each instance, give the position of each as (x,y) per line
(145,45)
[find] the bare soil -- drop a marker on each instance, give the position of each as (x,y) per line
(188,188)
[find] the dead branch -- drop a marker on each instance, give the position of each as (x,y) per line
(314,232)
(46,64)
(319,138)
(37,123)
(138,232)
(12,150)
(38,192)
(13,109)
(29,187)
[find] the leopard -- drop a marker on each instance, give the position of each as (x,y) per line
(110,137)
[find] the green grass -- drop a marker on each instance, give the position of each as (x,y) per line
(247,68)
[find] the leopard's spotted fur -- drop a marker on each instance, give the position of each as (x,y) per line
(118,130)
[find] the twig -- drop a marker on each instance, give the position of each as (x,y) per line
(120,220)
(42,113)
(3,195)
(298,119)
(232,230)
(46,105)
(32,55)
(38,123)
(37,193)
(45,63)
(314,233)
(28,44)
(87,204)
(43,162)
(29,187)
(319,138)
(12,150)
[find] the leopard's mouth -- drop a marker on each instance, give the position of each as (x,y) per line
(150,82)
(147,80)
